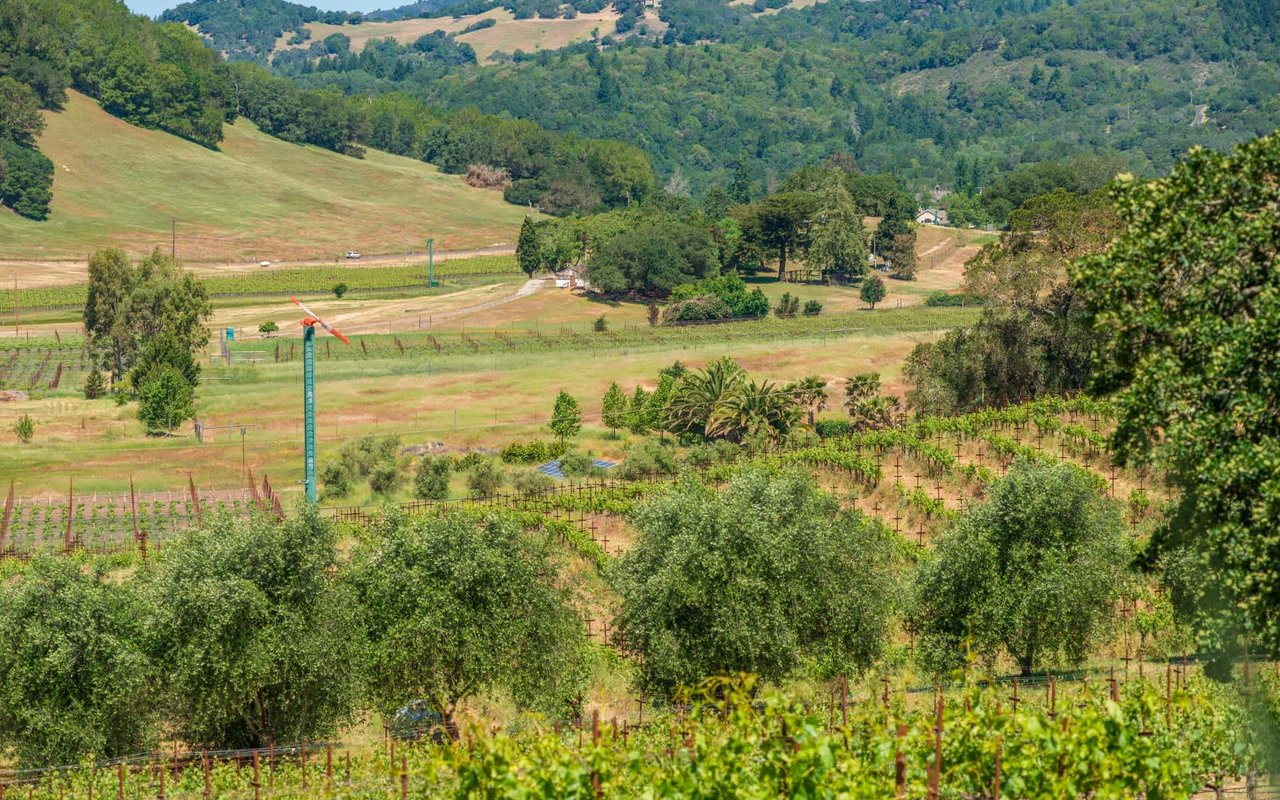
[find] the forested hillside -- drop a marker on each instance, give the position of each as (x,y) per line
(944,93)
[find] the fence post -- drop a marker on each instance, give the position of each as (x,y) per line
(257,779)
(208,785)
(120,781)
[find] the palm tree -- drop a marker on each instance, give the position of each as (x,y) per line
(699,393)
(811,393)
(868,410)
(754,409)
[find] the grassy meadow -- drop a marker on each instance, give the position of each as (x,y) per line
(256,198)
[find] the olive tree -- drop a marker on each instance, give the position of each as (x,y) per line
(255,642)
(75,682)
(762,577)
(1032,572)
(454,607)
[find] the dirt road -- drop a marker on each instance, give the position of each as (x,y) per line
(36,273)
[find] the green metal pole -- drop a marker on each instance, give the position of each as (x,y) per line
(309,406)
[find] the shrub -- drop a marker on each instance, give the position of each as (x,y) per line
(787,305)
(942,298)
(601,324)
(646,457)
(827,428)
(431,481)
(267,328)
(812,308)
(579,465)
(812,584)
(454,609)
(485,479)
(386,477)
(534,452)
(335,480)
(731,290)
(483,176)
(340,289)
(363,455)
(531,481)
(95,386)
(709,454)
(703,307)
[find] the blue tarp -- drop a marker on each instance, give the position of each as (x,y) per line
(552,468)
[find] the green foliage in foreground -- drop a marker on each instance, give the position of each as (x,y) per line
(73,679)
(764,577)
(736,742)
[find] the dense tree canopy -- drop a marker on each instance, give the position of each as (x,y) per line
(1034,337)
(249,28)
(652,259)
(1187,303)
(154,303)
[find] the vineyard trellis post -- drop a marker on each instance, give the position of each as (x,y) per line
(900,766)
(195,499)
(71,512)
(8,516)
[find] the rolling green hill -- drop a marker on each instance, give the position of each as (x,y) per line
(257,197)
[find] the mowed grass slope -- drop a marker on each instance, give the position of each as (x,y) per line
(257,198)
